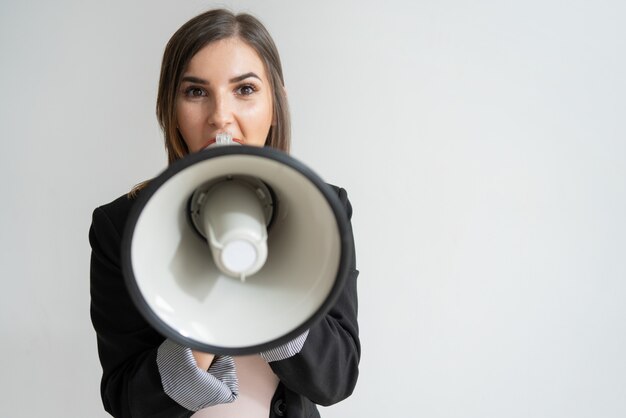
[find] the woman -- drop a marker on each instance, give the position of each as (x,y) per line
(221,73)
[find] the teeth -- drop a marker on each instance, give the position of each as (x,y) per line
(223,138)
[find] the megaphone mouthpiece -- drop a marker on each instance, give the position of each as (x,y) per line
(230,214)
(223,138)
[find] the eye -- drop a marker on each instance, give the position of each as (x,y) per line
(246,89)
(195,92)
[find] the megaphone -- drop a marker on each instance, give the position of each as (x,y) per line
(236,250)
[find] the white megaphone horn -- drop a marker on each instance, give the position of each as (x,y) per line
(236,250)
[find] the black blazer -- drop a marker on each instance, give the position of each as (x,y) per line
(323,373)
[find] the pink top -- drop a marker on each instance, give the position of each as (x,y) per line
(257,384)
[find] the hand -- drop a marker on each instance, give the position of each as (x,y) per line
(203,360)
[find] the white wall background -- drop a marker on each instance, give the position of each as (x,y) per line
(483,145)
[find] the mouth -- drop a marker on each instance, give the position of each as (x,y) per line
(215,140)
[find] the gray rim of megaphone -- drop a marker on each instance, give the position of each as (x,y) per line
(343,226)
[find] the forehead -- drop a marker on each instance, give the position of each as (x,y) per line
(226,58)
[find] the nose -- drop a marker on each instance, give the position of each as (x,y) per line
(222,113)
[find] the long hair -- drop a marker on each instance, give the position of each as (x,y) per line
(200,31)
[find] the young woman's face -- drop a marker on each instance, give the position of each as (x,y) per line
(224,89)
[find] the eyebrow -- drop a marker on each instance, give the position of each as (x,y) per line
(237,79)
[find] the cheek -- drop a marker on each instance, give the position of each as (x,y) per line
(258,120)
(190,124)
(186,116)
(256,128)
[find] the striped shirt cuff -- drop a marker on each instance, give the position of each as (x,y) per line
(192,387)
(287,350)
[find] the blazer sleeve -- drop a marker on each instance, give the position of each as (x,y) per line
(327,368)
(127,345)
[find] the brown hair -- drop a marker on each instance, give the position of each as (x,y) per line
(208,27)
